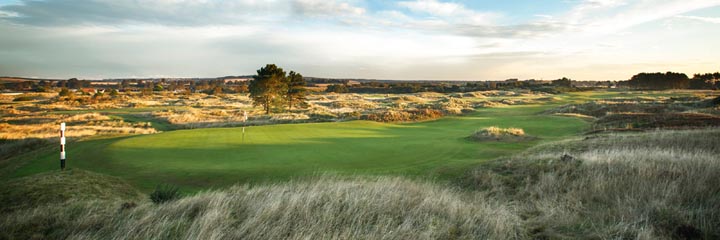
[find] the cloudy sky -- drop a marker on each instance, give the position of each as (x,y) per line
(407,39)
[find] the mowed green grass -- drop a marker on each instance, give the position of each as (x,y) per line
(203,158)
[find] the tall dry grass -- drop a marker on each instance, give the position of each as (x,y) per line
(328,208)
(657,185)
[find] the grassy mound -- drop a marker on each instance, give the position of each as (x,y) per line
(59,187)
(655,185)
(665,120)
(499,134)
(601,108)
(329,208)
(202,158)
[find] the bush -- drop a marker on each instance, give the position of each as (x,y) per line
(64,92)
(164,193)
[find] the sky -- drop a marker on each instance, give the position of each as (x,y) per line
(372,39)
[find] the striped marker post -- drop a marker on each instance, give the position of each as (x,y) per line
(245,118)
(62,146)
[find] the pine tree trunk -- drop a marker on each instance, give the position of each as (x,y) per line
(267,106)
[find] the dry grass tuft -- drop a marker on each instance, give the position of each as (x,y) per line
(499,134)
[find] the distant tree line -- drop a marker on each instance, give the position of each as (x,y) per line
(212,86)
(673,80)
(563,82)
(74,83)
(560,85)
(669,80)
(705,81)
(220,86)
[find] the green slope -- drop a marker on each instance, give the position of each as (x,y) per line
(201,158)
(56,187)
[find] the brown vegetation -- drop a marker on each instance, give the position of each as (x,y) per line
(499,134)
(655,185)
(662,120)
(646,113)
(404,116)
(327,208)
(47,126)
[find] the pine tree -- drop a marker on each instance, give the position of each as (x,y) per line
(296,90)
(268,86)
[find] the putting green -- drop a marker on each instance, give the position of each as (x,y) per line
(202,158)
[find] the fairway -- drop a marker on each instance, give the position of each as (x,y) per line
(202,158)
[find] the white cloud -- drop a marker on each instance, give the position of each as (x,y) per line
(603,3)
(435,8)
(610,16)
(702,19)
(326,8)
(450,11)
(4,14)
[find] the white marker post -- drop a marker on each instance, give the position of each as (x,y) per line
(245,118)
(62,146)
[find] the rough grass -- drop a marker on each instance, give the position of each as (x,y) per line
(18,125)
(663,120)
(328,208)
(652,185)
(656,185)
(601,108)
(10,148)
(498,134)
(646,112)
(59,187)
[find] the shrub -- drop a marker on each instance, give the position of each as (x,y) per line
(165,193)
(64,92)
